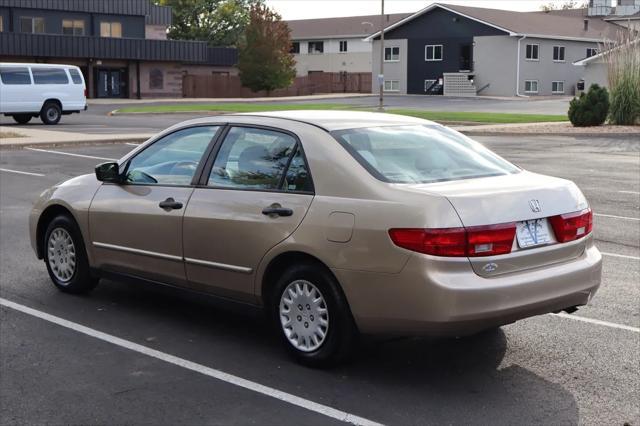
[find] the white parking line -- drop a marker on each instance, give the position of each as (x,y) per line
(198,368)
(630,192)
(623,256)
(70,154)
(21,173)
(616,217)
(598,322)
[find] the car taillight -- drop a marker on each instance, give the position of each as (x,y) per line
(457,242)
(571,226)
(85,93)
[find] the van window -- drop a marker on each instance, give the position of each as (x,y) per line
(15,75)
(75,76)
(49,76)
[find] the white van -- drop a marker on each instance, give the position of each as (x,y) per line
(46,90)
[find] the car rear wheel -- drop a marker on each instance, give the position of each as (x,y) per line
(51,113)
(312,316)
(66,258)
(22,118)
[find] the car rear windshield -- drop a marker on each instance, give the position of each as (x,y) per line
(421,154)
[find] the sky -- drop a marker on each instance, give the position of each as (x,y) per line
(307,9)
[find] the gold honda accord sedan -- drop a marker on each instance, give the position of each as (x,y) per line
(337,223)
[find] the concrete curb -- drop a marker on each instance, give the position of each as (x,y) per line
(59,144)
(635,136)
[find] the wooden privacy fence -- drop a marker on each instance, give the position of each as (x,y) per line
(229,86)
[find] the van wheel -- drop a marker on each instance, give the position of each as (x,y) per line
(66,258)
(22,118)
(312,316)
(51,113)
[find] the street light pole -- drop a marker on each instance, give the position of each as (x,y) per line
(381,75)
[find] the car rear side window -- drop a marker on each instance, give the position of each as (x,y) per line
(15,75)
(173,159)
(75,76)
(49,76)
(421,154)
(255,158)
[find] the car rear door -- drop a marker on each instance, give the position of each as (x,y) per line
(136,227)
(255,191)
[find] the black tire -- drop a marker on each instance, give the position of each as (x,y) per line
(22,118)
(80,280)
(342,332)
(51,113)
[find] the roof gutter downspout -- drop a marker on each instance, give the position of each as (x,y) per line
(518,69)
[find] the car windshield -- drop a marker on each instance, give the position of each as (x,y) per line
(421,154)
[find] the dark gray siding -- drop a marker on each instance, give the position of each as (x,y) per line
(159,15)
(60,46)
(117,7)
(438,26)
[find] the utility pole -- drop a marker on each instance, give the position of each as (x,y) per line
(381,75)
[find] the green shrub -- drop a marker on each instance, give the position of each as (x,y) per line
(590,109)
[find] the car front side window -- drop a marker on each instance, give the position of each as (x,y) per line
(172,160)
(254,158)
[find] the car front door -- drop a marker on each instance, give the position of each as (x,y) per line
(136,227)
(255,195)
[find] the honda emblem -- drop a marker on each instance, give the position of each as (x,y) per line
(535,206)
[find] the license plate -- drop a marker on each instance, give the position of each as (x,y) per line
(533,233)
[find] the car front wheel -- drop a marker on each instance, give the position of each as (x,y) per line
(66,258)
(312,316)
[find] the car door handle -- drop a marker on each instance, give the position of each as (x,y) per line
(170,204)
(277,210)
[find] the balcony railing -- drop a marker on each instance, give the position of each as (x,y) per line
(65,46)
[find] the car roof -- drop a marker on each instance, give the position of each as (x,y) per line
(331,120)
(17,64)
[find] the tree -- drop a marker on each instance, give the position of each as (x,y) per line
(219,22)
(566,5)
(264,58)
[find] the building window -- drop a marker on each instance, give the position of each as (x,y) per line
(295,47)
(532,53)
(391,54)
(391,85)
(31,25)
(73,27)
(433,52)
(591,52)
(156,79)
(343,46)
(557,87)
(49,76)
(531,86)
(558,53)
(316,47)
(428,84)
(111,29)
(1,24)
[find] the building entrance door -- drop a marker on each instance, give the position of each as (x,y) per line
(465,57)
(111,83)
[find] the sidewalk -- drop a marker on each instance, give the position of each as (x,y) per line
(220,100)
(31,137)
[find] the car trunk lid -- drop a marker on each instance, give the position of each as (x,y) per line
(526,199)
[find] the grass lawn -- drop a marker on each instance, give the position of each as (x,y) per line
(455,116)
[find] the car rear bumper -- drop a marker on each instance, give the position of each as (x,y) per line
(436,296)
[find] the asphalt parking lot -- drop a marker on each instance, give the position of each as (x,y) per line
(212,364)
(96,121)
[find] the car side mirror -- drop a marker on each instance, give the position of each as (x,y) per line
(109,172)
